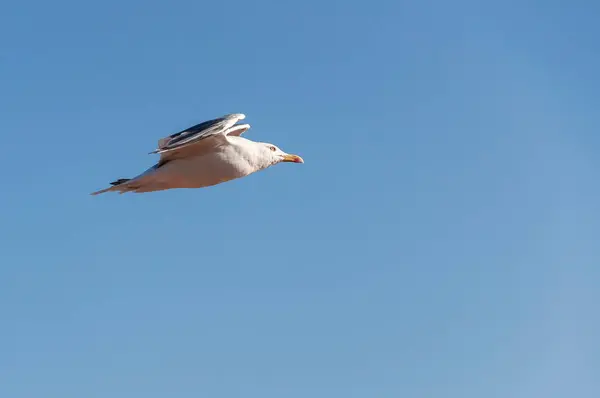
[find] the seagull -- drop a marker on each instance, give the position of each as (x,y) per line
(204,155)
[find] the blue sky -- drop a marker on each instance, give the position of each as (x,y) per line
(441,239)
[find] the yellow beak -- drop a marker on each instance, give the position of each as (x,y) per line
(292,158)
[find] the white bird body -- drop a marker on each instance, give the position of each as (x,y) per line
(209,155)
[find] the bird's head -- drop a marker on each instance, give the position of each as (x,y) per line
(277,155)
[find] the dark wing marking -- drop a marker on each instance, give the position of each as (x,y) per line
(120,181)
(198,132)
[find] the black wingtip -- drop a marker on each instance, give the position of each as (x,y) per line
(120,181)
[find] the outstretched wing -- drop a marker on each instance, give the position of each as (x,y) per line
(198,132)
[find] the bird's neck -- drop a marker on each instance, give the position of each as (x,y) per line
(252,152)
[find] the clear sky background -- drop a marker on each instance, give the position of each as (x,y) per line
(441,239)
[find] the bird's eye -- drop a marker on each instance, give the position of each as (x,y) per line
(272,148)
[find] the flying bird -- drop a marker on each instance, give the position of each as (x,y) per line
(204,155)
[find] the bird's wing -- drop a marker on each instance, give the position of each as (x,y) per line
(199,132)
(237,130)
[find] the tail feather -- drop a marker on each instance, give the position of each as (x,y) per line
(141,183)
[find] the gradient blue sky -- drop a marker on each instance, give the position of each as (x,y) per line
(441,239)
